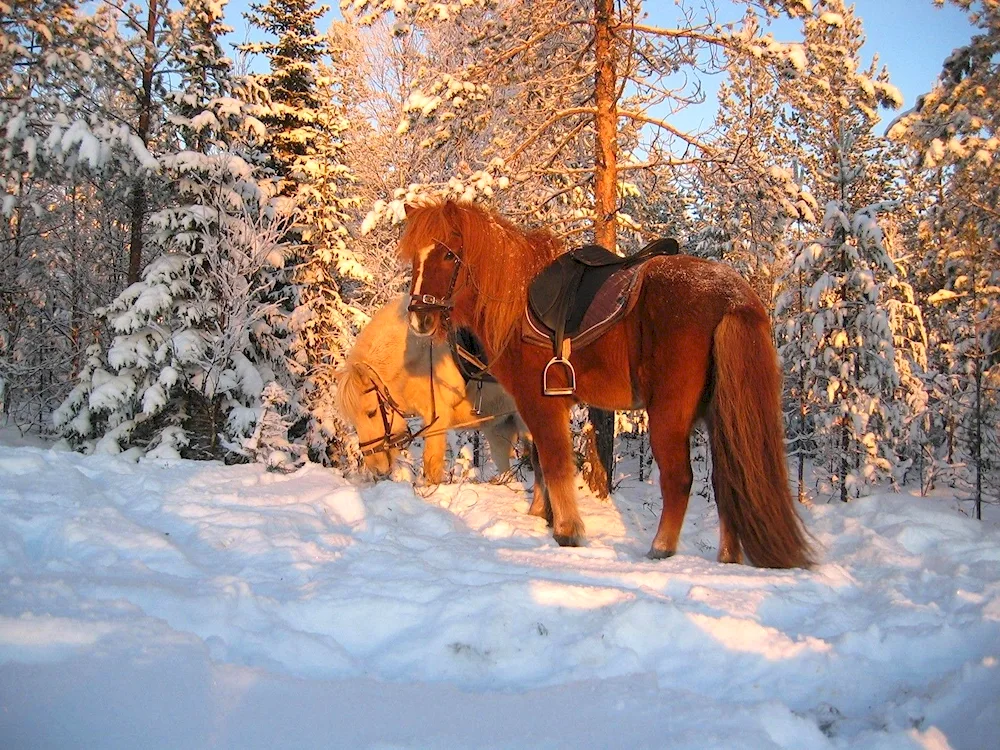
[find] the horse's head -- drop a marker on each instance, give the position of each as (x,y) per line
(472,266)
(381,428)
(433,244)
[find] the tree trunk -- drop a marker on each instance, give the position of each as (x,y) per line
(138,203)
(605,199)
(978,454)
(845,443)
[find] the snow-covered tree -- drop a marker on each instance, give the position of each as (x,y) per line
(62,149)
(843,300)
(198,338)
(306,125)
(955,130)
(747,194)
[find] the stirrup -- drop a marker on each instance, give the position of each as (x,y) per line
(477,405)
(563,360)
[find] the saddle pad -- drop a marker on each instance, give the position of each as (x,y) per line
(615,295)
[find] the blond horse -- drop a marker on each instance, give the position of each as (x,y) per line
(389,361)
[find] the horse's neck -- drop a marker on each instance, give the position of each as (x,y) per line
(383,343)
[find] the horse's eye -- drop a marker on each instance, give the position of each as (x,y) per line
(449,255)
(370,414)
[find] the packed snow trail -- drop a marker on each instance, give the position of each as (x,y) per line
(182,604)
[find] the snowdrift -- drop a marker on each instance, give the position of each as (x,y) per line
(187,605)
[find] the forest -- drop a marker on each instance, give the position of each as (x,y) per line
(191,237)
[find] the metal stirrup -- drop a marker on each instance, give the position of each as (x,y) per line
(561,359)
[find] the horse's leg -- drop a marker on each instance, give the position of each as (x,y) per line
(540,505)
(436,442)
(434,450)
(729,544)
(669,440)
(549,425)
(500,437)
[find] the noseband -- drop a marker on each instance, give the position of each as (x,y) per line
(387,406)
(424,303)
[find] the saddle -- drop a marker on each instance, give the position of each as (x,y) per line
(578,297)
(469,354)
(470,358)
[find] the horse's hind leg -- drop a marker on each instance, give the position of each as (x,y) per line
(671,450)
(500,436)
(729,543)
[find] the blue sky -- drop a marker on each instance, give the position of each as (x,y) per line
(911,37)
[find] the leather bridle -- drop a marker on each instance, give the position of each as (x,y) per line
(387,406)
(424,303)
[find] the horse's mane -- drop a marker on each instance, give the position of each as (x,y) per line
(500,258)
(380,343)
(352,382)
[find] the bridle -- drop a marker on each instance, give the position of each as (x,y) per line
(387,406)
(424,303)
(469,365)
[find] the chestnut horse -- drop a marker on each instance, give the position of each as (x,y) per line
(697,344)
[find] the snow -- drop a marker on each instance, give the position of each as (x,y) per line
(169,603)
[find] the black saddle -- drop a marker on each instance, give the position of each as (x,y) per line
(470,355)
(567,291)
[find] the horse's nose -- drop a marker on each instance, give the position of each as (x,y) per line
(423,323)
(379,465)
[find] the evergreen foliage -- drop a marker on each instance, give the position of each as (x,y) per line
(183,264)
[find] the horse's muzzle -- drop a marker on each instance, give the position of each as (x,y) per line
(423,323)
(380,464)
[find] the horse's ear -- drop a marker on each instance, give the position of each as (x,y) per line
(408,209)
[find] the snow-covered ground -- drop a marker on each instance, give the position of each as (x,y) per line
(195,605)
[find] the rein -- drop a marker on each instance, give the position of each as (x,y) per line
(387,405)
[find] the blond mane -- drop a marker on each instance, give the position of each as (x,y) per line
(500,258)
(352,382)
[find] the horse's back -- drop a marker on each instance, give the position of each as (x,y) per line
(688,292)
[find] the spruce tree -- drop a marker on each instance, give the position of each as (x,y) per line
(306,124)
(842,284)
(204,332)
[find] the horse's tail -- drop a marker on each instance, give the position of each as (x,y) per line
(750,474)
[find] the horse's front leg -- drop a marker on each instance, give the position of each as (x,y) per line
(540,505)
(435,445)
(548,420)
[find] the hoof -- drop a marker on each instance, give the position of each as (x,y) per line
(728,557)
(660,554)
(567,541)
